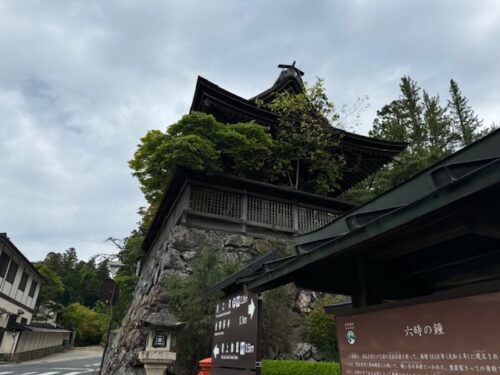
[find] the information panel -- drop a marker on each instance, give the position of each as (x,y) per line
(235,335)
(455,336)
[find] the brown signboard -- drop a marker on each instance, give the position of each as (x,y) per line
(235,334)
(454,336)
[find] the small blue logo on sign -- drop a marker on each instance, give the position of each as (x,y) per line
(351,337)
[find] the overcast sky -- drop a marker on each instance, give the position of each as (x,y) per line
(82,81)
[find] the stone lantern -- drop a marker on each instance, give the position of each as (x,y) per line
(160,352)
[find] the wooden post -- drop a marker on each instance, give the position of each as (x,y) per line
(244,210)
(295,217)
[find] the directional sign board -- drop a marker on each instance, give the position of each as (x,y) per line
(235,335)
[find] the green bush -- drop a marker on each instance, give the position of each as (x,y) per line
(299,368)
(90,325)
(321,329)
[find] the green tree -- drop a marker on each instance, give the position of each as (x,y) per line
(278,323)
(431,130)
(81,280)
(198,141)
(402,120)
(437,122)
(321,329)
(126,277)
(465,122)
(89,326)
(389,123)
(53,287)
(412,110)
(305,141)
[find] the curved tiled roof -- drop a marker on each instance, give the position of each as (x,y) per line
(364,155)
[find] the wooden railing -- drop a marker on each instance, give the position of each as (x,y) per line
(254,209)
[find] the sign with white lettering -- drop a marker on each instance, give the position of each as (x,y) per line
(235,334)
(458,336)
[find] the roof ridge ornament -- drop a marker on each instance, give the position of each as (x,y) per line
(288,70)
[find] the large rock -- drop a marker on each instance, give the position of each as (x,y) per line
(305,352)
(175,256)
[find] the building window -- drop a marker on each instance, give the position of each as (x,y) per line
(160,340)
(23,282)
(32,288)
(11,275)
(4,264)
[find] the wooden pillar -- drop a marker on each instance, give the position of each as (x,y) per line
(295,215)
(244,210)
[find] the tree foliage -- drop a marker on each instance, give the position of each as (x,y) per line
(126,277)
(465,122)
(432,131)
(305,141)
(199,142)
(321,329)
(73,289)
(81,279)
(52,289)
(89,325)
(279,324)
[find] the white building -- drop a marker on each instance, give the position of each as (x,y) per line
(20,284)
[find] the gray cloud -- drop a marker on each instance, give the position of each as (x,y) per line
(82,81)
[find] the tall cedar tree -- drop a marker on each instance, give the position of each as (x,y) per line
(465,122)
(431,130)
(437,122)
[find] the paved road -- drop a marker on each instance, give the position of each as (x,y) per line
(69,363)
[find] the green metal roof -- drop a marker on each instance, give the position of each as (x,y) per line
(413,189)
(360,237)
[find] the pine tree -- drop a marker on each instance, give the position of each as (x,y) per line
(402,120)
(464,120)
(389,123)
(412,110)
(438,126)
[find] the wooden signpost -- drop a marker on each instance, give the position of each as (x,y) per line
(235,344)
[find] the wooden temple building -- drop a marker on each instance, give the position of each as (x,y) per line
(363,155)
(246,205)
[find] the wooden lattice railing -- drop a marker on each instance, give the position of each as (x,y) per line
(255,210)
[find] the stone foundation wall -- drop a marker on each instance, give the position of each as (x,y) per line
(173,254)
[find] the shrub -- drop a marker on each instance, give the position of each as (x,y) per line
(299,368)
(321,329)
(89,325)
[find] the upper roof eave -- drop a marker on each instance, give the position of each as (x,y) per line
(3,236)
(369,144)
